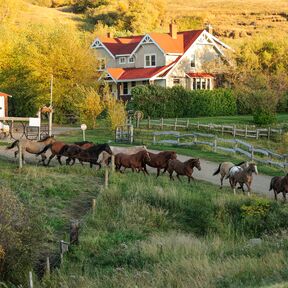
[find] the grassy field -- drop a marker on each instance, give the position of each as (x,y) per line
(165,234)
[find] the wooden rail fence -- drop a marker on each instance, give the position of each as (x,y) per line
(225,145)
(176,124)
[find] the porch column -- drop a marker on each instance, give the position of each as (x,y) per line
(118,90)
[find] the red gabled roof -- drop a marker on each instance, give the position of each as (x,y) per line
(4,94)
(126,45)
(200,75)
(138,73)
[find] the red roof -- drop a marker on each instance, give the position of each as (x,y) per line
(200,75)
(126,45)
(138,73)
(4,94)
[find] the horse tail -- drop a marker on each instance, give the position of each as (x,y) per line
(13,145)
(271,184)
(217,171)
(44,150)
(63,149)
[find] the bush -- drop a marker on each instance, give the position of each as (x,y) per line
(156,101)
(262,117)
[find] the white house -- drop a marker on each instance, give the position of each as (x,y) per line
(169,59)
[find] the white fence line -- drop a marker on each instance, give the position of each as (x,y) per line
(246,148)
(233,130)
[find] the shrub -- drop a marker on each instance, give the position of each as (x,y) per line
(156,101)
(262,117)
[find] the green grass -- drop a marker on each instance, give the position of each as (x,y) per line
(171,234)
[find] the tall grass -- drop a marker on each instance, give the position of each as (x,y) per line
(151,232)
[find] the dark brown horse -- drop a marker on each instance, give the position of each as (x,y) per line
(134,161)
(279,184)
(160,160)
(89,155)
(75,149)
(183,168)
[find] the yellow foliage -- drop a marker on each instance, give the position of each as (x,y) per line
(116,112)
(91,107)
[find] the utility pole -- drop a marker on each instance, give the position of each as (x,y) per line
(51,103)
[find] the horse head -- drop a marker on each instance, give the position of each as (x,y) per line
(194,162)
(146,156)
(107,149)
(253,168)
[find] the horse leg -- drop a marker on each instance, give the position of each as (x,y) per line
(43,158)
(170,175)
(50,158)
(158,172)
(249,188)
(165,169)
(16,153)
(221,181)
(145,169)
(91,164)
(59,159)
(284,195)
(179,178)
(275,194)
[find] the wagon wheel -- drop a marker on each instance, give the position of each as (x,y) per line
(17,130)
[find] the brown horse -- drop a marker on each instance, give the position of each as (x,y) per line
(160,160)
(134,161)
(183,168)
(244,177)
(279,184)
(33,147)
(75,149)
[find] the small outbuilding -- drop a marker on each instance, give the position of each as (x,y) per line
(4,104)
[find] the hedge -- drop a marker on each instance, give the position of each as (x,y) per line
(156,101)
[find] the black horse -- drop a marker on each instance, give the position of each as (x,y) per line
(89,155)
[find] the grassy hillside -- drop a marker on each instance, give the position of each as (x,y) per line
(165,234)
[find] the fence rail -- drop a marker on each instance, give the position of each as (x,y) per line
(247,149)
(177,124)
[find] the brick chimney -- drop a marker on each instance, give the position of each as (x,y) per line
(173,30)
(110,35)
(209,28)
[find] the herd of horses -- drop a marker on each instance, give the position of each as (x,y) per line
(137,158)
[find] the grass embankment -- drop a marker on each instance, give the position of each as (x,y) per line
(50,197)
(171,234)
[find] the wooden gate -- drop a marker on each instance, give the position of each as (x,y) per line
(124,134)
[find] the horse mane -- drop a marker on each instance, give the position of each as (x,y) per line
(44,139)
(63,149)
(81,143)
(96,148)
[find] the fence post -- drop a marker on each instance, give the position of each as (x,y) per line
(93,205)
(74,232)
(106,178)
(130,133)
(198,125)
(234,131)
(137,122)
(246,131)
(257,134)
(154,139)
(252,153)
(187,124)
(215,144)
(162,123)
(269,133)
(175,124)
(149,124)
(30,279)
(222,129)
(113,163)
(20,156)
(47,269)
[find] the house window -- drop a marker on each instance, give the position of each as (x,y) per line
(133,83)
(203,81)
(208,84)
(122,60)
(145,82)
(131,60)
(125,88)
(198,83)
(101,64)
(150,60)
(176,81)
(193,61)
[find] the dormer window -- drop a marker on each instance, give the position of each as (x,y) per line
(122,60)
(150,60)
(193,61)
(131,59)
